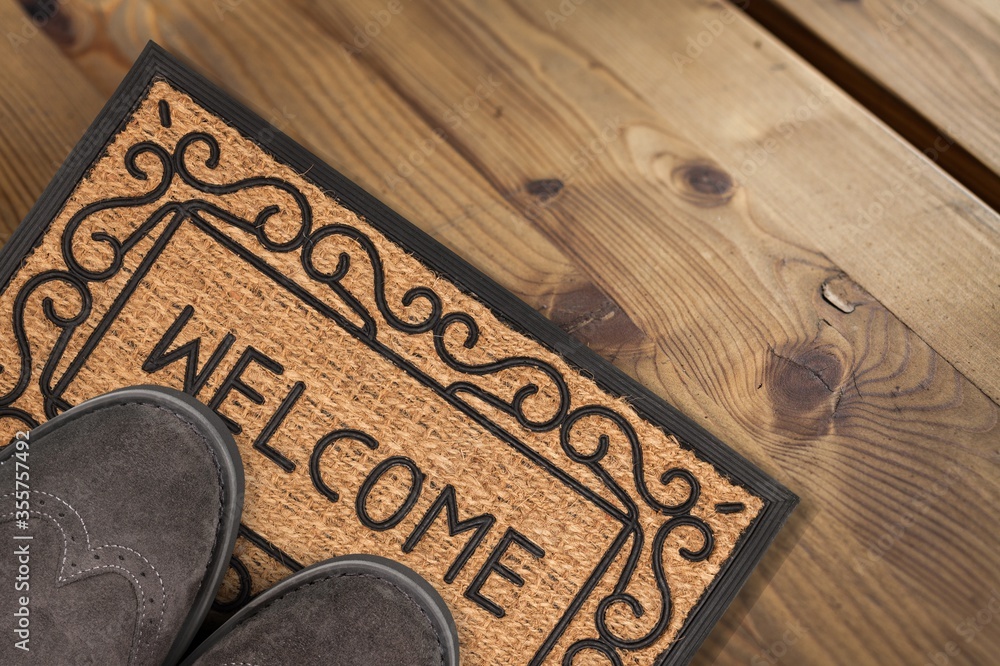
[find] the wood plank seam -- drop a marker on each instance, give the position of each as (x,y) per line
(934,142)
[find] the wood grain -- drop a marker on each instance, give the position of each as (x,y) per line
(909,120)
(828,176)
(943,58)
(45,107)
(625,197)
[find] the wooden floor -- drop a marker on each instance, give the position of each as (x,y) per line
(716,213)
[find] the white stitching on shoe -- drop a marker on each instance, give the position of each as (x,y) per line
(134,651)
(218,525)
(163,589)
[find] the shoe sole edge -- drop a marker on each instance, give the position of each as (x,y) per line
(410,582)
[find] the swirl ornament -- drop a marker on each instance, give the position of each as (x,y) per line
(679,513)
(593,461)
(258,226)
(516,405)
(65,323)
(333,280)
(187,185)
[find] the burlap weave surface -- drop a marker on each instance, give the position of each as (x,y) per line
(295,355)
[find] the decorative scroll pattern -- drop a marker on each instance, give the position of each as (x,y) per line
(617,432)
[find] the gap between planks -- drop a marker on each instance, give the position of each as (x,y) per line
(886,105)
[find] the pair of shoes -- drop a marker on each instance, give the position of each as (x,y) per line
(118,520)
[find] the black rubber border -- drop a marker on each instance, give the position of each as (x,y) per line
(407,580)
(230,463)
(155,62)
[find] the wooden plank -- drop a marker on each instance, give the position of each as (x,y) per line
(609,189)
(46,106)
(831,179)
(339,132)
(909,121)
(942,58)
(813,166)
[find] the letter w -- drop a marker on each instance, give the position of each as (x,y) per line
(446,501)
(193,379)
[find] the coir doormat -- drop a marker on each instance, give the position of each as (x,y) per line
(387,398)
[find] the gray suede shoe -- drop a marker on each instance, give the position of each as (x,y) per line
(115,554)
(357,610)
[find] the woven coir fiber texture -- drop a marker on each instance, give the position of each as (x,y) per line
(378,407)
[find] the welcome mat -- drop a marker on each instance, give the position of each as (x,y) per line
(387,398)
